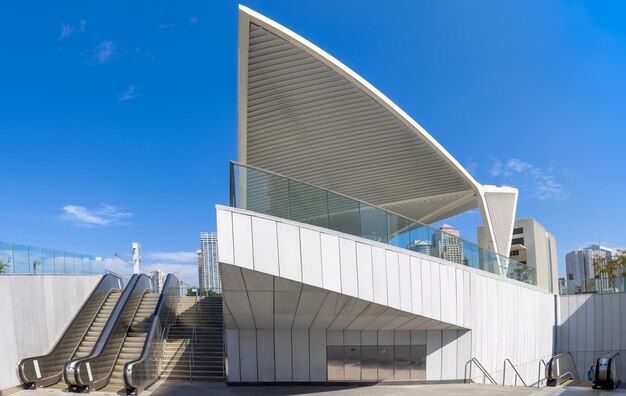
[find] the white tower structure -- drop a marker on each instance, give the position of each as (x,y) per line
(136,258)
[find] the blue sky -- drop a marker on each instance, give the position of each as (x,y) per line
(117,119)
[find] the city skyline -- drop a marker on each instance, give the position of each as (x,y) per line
(131,68)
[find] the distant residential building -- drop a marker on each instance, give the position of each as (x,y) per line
(534,246)
(579,262)
(210,278)
(447,245)
(158,279)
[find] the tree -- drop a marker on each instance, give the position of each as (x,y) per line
(610,267)
(4,264)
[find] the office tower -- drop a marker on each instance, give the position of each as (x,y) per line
(208,256)
(579,262)
(534,246)
(447,245)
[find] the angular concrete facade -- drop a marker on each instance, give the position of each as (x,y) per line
(292,290)
(304,303)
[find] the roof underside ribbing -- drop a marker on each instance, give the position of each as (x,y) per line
(308,121)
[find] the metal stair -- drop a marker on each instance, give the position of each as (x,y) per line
(134,341)
(196,353)
(88,342)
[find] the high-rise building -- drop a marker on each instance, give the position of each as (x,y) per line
(534,246)
(579,263)
(447,245)
(203,282)
(208,268)
(158,279)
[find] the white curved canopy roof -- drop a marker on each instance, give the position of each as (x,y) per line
(304,114)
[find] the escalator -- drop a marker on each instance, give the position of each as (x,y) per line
(122,339)
(77,339)
(140,373)
(134,341)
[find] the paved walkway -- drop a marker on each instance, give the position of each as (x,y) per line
(173,388)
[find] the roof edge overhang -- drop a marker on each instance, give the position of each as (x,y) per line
(247,16)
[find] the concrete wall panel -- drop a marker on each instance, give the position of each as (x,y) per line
(289,252)
(393,279)
(248,355)
(311,257)
(225,249)
(317,342)
(242,241)
(265,355)
(331,269)
(379,271)
(364,271)
(282,354)
(265,246)
(349,277)
(300,357)
(232,355)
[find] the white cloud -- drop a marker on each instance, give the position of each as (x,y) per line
(177,257)
(540,183)
(193,20)
(67,29)
(103,53)
(129,94)
(166,26)
(103,216)
(496,168)
(515,165)
(187,273)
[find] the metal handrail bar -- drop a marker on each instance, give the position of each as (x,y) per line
(517,374)
(481,368)
(539,379)
(193,337)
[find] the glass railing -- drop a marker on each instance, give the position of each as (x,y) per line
(23,259)
(269,193)
(593,285)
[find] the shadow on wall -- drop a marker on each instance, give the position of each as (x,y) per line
(591,325)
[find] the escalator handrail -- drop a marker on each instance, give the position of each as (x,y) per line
(138,285)
(549,374)
(158,325)
(107,284)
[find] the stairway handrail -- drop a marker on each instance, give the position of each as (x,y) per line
(517,374)
(481,368)
(539,379)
